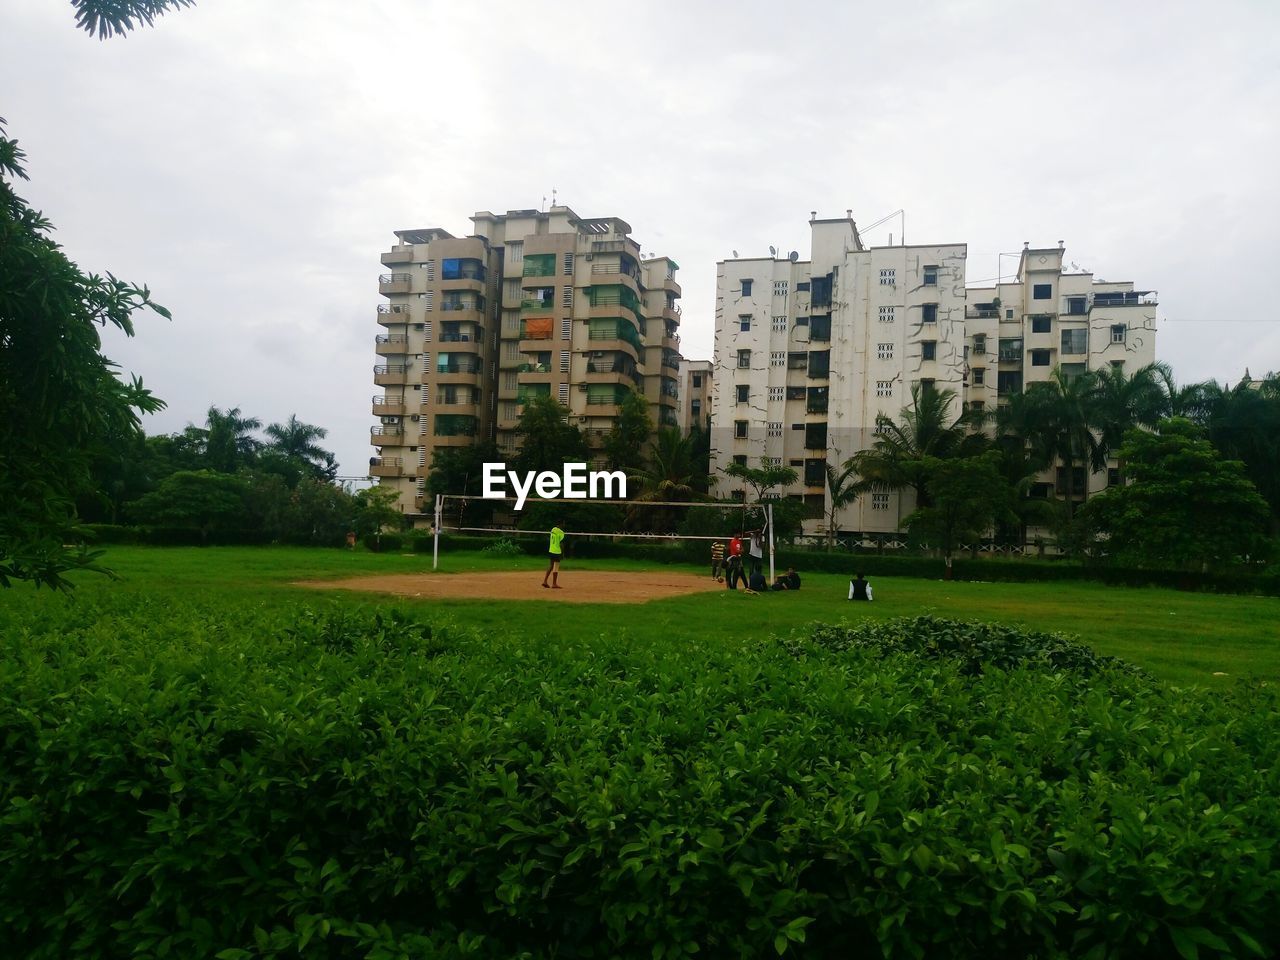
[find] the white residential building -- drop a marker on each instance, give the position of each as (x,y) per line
(810,353)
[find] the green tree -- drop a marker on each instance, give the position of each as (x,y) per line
(668,476)
(375,510)
(1184,506)
(201,501)
(1243,422)
(762,479)
(109,18)
(1064,417)
(61,400)
(625,445)
(296,441)
(229,443)
(548,440)
(843,488)
(967,497)
(898,456)
(1121,402)
(459,471)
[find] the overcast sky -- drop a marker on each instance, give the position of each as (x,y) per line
(249,160)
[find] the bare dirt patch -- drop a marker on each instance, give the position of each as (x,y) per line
(577,586)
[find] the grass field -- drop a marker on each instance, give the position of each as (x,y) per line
(1185,638)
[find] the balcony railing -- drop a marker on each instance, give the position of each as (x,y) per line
(470,368)
(391,338)
(536,333)
(388,434)
(395,282)
(528,306)
(382,369)
(1010,356)
(468,304)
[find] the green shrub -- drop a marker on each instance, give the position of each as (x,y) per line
(192,777)
(502,548)
(383,542)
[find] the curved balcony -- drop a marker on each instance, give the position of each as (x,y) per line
(392,375)
(614,275)
(388,406)
(391,343)
(390,283)
(387,467)
(455,373)
(386,436)
(390,314)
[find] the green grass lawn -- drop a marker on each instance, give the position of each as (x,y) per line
(1185,638)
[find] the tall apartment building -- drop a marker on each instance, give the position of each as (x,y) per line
(809,354)
(695,394)
(532,303)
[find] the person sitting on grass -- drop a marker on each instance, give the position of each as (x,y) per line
(756,582)
(554,551)
(859,589)
(788,581)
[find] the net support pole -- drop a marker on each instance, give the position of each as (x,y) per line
(435,537)
(769,514)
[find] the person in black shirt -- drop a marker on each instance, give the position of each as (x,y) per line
(859,589)
(788,581)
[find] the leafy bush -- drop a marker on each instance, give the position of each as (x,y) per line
(192,777)
(502,548)
(383,542)
(972,646)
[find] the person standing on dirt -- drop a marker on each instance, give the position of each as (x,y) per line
(756,550)
(717,560)
(554,551)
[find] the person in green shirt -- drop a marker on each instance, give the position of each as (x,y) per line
(553,555)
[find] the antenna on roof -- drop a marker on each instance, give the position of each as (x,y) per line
(773,251)
(735,254)
(793,256)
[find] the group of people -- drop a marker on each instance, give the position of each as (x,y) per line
(729,564)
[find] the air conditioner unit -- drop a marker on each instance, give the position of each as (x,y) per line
(582,419)
(413,417)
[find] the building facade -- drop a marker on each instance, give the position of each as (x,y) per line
(532,303)
(695,394)
(810,354)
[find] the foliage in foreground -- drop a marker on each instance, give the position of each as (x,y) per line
(219,779)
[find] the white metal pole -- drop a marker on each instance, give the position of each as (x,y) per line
(435,546)
(772,574)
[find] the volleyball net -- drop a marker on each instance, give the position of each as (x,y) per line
(603,520)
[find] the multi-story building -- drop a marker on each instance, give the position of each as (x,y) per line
(532,303)
(695,394)
(810,354)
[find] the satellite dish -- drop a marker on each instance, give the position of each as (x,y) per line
(793,256)
(735,254)
(773,251)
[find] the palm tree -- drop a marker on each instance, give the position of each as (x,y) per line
(296,440)
(229,441)
(843,487)
(1188,401)
(896,458)
(1065,413)
(1243,423)
(669,476)
(1121,403)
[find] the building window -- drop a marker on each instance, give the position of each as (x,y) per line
(879,501)
(1077,306)
(1008,382)
(778,358)
(1118,331)
(775,429)
(884,388)
(795,393)
(815,436)
(780,287)
(744,359)
(697,380)
(888,277)
(743,393)
(746,288)
(1113,477)
(740,429)
(977,406)
(802,286)
(1008,314)
(695,408)
(884,351)
(928,349)
(820,327)
(819,364)
(979,376)
(775,393)
(929,313)
(930,276)
(779,324)
(1042,324)
(980,344)
(1075,341)
(1042,291)
(888,314)
(744,322)
(1039,358)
